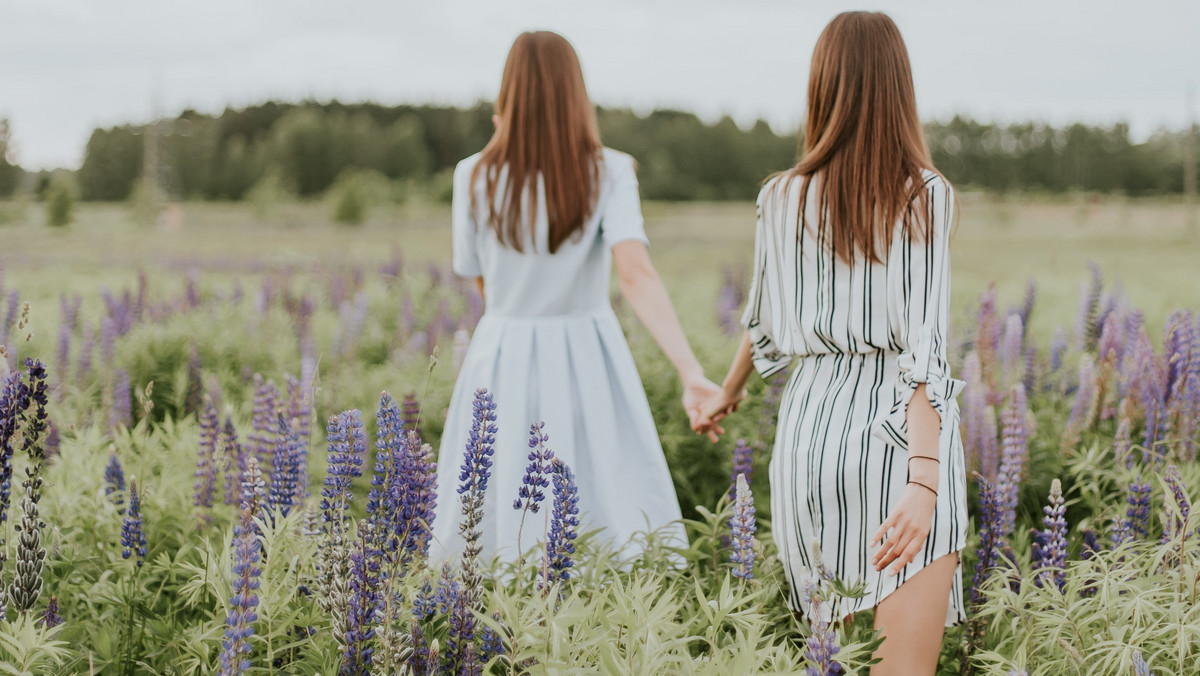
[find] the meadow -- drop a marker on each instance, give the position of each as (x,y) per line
(216,363)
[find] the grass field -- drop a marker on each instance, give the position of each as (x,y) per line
(1146,246)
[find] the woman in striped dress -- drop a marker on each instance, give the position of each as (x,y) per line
(851,279)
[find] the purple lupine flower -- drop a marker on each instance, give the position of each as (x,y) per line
(1011,353)
(347,445)
(264,422)
(235,459)
(1012,459)
(1111,347)
(974,430)
(729,303)
(50,617)
(206,465)
(87,345)
(821,645)
(473,481)
(743,465)
(412,412)
(299,414)
(108,340)
(114,482)
(461,655)
(133,539)
(1176,504)
(121,414)
(1089,307)
(490,643)
(26,586)
(1140,668)
(742,527)
(1137,513)
(1146,382)
(1083,411)
(239,623)
(1027,303)
(1058,347)
(254,491)
(1050,558)
(383,500)
(1091,544)
(358,641)
(530,495)
(1030,367)
(991,537)
(564,527)
(1122,444)
(63,356)
(417,488)
(285,471)
(10,316)
(14,400)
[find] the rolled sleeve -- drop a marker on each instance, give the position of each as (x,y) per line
(763,314)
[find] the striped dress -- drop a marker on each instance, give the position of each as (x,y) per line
(863,336)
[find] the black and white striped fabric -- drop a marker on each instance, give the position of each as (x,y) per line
(863,336)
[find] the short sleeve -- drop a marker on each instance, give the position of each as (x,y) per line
(764,311)
(622,219)
(921,306)
(465,258)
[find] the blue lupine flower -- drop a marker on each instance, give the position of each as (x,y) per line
(425,603)
(490,643)
(1137,514)
(991,537)
(742,527)
(416,486)
(50,617)
(133,539)
(743,465)
(206,466)
(114,482)
(461,656)
(1140,668)
(821,645)
(564,526)
(531,494)
(14,400)
(264,422)
(412,412)
(285,469)
(382,506)
(121,414)
(1058,347)
(239,623)
(476,470)
(1013,455)
(358,651)
(235,460)
(347,445)
(1051,553)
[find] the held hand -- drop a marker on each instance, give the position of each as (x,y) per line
(909,523)
(695,394)
(713,410)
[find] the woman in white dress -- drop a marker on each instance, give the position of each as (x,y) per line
(538,218)
(852,280)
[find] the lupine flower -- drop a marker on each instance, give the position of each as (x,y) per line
(1050,559)
(50,617)
(1111,347)
(530,495)
(114,482)
(1176,506)
(1140,668)
(239,624)
(1089,307)
(121,414)
(253,490)
(14,400)
(564,527)
(359,631)
(418,491)
(1137,514)
(462,656)
(1011,349)
(821,645)
(87,345)
(742,527)
(264,421)
(1086,406)
(729,303)
(206,469)
(1031,374)
(26,586)
(1013,457)
(490,643)
(108,339)
(133,540)
(347,444)
(412,412)
(473,481)
(1026,309)
(1091,544)
(1058,347)
(743,465)
(235,459)
(1122,444)
(285,470)
(382,501)
(991,536)
(1146,382)
(195,384)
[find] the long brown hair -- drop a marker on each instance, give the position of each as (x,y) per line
(863,138)
(547,126)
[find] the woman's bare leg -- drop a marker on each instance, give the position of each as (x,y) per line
(913,621)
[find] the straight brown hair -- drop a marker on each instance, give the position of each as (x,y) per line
(547,127)
(864,138)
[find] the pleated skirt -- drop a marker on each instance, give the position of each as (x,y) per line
(576,374)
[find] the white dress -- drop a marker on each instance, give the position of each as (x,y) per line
(550,349)
(863,336)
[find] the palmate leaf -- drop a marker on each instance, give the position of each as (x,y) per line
(26,648)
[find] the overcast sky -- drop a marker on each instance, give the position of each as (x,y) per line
(67,66)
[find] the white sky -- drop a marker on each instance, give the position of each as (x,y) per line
(67,66)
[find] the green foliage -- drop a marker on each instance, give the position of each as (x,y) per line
(10,173)
(60,201)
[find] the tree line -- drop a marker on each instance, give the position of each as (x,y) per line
(305,147)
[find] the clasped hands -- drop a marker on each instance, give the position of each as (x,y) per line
(707,403)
